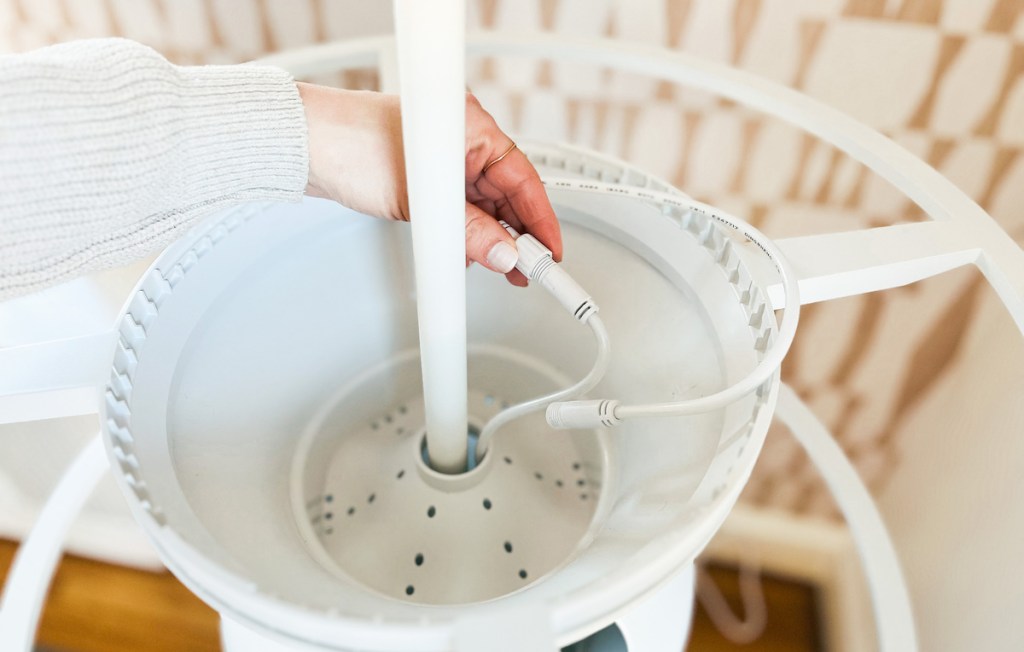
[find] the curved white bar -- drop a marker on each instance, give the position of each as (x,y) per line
(890,599)
(999,257)
(331,57)
(1002,261)
(36,561)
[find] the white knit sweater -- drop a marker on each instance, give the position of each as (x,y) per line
(108,152)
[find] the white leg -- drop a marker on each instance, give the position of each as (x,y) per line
(889,597)
(662,622)
(37,558)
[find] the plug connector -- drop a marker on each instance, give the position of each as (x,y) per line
(582,414)
(537,264)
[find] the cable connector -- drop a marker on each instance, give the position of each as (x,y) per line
(582,414)
(537,264)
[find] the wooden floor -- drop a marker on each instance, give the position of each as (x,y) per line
(792,617)
(95,607)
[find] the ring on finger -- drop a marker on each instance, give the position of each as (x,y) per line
(498,160)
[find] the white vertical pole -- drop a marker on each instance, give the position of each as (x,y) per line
(431,67)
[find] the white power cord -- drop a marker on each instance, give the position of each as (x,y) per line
(606,412)
(894,618)
(537,264)
(739,630)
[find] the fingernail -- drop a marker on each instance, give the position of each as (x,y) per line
(502,257)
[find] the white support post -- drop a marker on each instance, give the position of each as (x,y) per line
(431,66)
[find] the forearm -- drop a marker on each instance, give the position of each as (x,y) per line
(108,152)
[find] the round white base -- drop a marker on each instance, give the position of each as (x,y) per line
(370,509)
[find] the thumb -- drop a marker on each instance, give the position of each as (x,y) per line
(488,243)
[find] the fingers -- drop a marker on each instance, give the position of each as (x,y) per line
(515,277)
(517,182)
(511,185)
(488,243)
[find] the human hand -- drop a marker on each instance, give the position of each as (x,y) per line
(356,159)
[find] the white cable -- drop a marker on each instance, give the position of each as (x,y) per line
(741,631)
(585,384)
(591,414)
(37,558)
(537,264)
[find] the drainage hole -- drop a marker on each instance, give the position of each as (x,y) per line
(409,590)
(402,409)
(583,496)
(487,503)
(576,466)
(371,498)
(522,573)
(351,511)
(329,515)
(329,498)
(431,511)
(559,483)
(538,475)
(419,559)
(388,419)
(508,546)
(400,474)
(508,460)
(581,482)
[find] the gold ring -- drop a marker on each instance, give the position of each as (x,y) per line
(498,160)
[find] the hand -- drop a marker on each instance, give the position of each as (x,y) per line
(356,159)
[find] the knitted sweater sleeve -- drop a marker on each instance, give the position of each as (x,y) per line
(108,152)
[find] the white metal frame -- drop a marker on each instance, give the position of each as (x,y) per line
(60,378)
